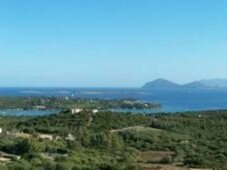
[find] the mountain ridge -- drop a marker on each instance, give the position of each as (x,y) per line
(201,84)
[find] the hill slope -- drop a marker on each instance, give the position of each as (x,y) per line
(215,82)
(161,84)
(195,85)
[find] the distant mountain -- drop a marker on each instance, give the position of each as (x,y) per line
(161,84)
(166,84)
(202,84)
(215,83)
(195,85)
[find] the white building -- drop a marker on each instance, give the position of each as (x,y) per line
(95,111)
(46,136)
(41,107)
(73,111)
(70,137)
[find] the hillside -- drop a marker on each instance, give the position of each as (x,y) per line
(195,85)
(221,83)
(161,84)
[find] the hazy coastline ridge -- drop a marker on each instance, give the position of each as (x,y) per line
(201,84)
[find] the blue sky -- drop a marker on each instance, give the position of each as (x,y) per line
(117,43)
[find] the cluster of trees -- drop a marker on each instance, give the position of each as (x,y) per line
(198,139)
(65,122)
(128,104)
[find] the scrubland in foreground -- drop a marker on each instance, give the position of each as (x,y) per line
(109,141)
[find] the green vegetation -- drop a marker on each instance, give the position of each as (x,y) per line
(66,103)
(113,141)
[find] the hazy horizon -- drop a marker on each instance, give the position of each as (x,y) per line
(118,86)
(111,43)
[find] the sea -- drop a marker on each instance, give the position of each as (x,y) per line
(183,100)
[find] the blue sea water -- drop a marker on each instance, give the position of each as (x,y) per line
(19,112)
(171,100)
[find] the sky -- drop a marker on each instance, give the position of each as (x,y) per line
(111,43)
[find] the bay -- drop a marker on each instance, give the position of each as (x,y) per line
(171,100)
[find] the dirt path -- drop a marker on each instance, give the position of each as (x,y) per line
(138,127)
(127,128)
